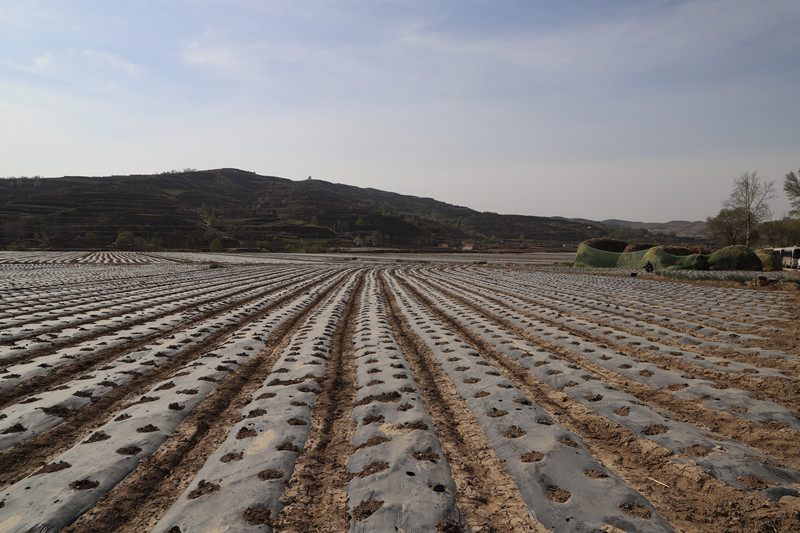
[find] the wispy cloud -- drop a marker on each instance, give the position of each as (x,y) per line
(89,68)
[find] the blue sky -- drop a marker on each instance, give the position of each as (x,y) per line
(640,110)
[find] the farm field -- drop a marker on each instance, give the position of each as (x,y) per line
(183,393)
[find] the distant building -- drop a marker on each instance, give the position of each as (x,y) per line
(468,247)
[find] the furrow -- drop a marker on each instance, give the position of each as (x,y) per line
(138,502)
(646,465)
(315,495)
(36,451)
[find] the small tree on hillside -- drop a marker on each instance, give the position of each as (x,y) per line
(750,196)
(791,186)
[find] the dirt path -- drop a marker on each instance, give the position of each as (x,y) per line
(315,496)
(486,495)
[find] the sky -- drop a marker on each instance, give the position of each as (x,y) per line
(642,110)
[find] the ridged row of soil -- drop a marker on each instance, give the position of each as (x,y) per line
(151,396)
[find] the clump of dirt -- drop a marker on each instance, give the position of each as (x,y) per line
(374,441)
(144,399)
(411,425)
(531,457)
(754,483)
(470,381)
(447,525)
(697,450)
(175,406)
(635,510)
(149,428)
(203,488)
(386,397)
(568,442)
(373,468)
(482,394)
(596,474)
(83,484)
(266,396)
(52,467)
(287,447)
(233,456)
(557,494)
(296,422)
(129,450)
(16,428)
(655,429)
(97,436)
(246,433)
(513,432)
(372,418)
(622,411)
(677,386)
(266,475)
(257,516)
(256,412)
(426,456)
(366,509)
(496,413)
(61,412)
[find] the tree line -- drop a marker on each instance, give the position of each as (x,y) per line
(745,215)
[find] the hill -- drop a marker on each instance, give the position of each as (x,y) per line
(192,209)
(679,228)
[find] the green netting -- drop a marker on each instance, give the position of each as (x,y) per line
(729,258)
(589,257)
(769,260)
(736,257)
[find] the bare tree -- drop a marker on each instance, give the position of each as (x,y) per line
(749,196)
(791,186)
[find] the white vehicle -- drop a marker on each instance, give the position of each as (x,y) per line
(790,256)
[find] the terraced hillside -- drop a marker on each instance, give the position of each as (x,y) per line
(192,209)
(298,393)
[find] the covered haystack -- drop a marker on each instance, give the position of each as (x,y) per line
(737,257)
